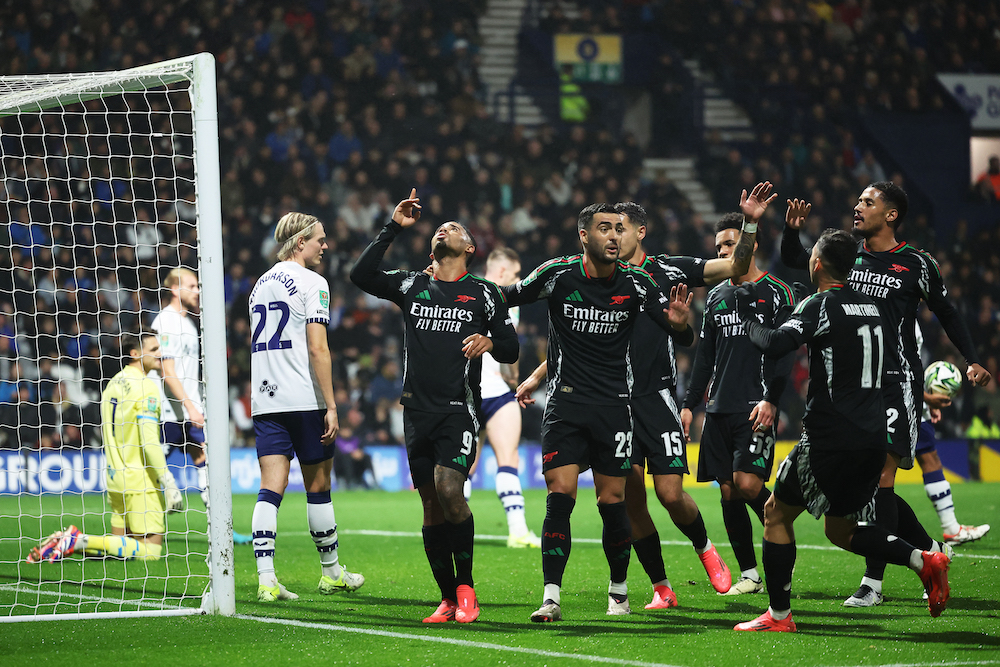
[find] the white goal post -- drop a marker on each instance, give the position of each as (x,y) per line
(110,179)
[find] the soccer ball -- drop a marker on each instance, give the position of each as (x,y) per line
(942,377)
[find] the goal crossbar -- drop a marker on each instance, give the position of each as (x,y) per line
(33,93)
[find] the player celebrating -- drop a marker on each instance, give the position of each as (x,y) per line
(293,409)
(447,316)
(593,301)
(658,435)
(183,424)
(502,416)
(130,417)
(835,467)
(738,451)
(897,276)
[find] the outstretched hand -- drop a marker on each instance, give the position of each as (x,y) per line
(407,212)
(797,212)
(525,390)
(678,310)
(754,205)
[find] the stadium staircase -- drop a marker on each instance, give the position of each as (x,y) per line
(718,111)
(499,27)
(684,174)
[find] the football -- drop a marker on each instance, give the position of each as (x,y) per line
(942,377)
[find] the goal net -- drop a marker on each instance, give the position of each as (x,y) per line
(110,181)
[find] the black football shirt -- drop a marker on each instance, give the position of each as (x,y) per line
(732,368)
(654,364)
(590,325)
(438,315)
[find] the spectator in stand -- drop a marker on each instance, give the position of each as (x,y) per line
(988,182)
(351,463)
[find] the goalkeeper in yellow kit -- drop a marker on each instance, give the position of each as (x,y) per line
(130,418)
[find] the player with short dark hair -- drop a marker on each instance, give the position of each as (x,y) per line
(834,469)
(744,390)
(660,445)
(137,468)
(897,276)
(447,316)
(594,301)
(293,407)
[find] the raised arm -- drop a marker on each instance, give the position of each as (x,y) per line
(753,207)
(793,255)
(678,315)
(366,273)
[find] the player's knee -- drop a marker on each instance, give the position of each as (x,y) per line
(559,505)
(749,488)
(772,513)
(929,461)
(839,534)
(671,497)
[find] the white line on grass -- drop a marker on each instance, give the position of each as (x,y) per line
(590,540)
(454,642)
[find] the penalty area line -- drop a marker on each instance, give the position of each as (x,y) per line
(454,642)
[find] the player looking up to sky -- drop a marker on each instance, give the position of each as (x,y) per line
(447,315)
(293,408)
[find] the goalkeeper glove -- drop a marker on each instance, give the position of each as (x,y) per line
(173,496)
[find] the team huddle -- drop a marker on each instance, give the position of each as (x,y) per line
(615,315)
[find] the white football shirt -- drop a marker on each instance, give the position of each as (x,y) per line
(492,383)
(178,341)
(282,303)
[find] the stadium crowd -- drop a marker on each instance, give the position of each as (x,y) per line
(338,108)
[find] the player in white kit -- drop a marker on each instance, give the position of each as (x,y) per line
(292,404)
(182,424)
(502,415)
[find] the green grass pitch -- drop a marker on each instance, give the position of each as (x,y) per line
(380,624)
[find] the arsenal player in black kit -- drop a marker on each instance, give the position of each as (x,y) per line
(447,317)
(744,389)
(593,302)
(834,469)
(660,445)
(897,276)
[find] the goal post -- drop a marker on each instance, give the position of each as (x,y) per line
(110,179)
